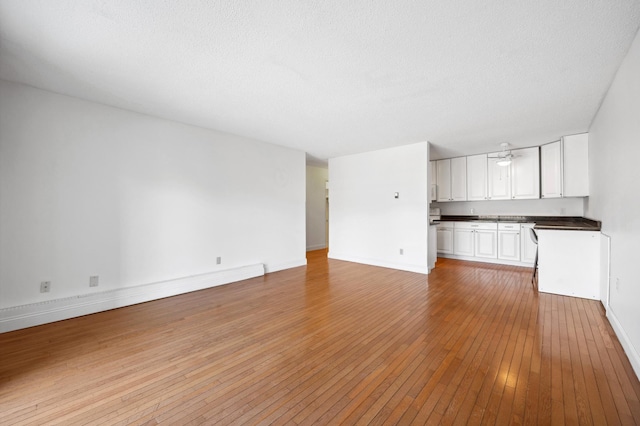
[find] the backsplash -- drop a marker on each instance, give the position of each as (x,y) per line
(541,207)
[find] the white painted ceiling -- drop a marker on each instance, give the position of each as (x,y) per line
(332,77)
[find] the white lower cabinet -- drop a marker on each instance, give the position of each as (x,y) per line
(492,242)
(475,239)
(486,243)
(462,241)
(509,241)
(432,248)
(445,237)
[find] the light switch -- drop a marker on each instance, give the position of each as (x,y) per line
(396,195)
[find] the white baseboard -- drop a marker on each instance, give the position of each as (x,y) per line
(17,317)
(629,349)
(420,269)
(316,247)
(274,267)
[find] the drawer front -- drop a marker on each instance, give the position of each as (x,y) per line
(443,225)
(509,227)
(476,225)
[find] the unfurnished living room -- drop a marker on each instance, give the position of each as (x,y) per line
(319,212)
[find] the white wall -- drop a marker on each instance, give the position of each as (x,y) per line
(614,150)
(316,207)
(366,223)
(87,189)
(541,207)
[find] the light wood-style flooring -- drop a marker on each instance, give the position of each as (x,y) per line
(331,343)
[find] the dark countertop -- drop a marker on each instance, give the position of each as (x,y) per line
(567,223)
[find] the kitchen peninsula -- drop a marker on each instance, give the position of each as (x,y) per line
(569,248)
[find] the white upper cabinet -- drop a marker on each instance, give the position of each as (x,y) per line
(576,165)
(520,180)
(498,180)
(525,174)
(557,169)
(459,179)
(443,175)
(452,179)
(477,177)
(551,165)
(433,179)
(565,167)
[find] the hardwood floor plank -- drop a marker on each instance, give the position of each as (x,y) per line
(557,335)
(526,384)
(585,341)
(567,367)
(616,408)
(331,343)
(579,382)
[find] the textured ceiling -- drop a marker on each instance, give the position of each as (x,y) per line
(332,77)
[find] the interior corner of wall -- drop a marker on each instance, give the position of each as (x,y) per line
(625,341)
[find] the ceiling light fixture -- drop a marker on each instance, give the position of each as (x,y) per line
(504,157)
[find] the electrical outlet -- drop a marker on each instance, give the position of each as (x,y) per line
(401,251)
(473,211)
(45,286)
(617,284)
(94,280)
(218,260)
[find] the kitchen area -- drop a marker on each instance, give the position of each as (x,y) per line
(522,207)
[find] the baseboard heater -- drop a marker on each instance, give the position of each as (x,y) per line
(23,316)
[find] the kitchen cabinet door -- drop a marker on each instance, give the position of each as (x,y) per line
(463,242)
(525,174)
(486,243)
(498,180)
(527,247)
(459,179)
(509,245)
(445,240)
(477,177)
(443,180)
(432,248)
(551,170)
